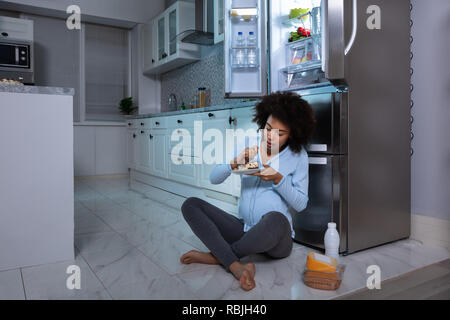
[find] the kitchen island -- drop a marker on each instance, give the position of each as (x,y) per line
(37,188)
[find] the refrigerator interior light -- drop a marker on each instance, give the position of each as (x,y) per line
(244,12)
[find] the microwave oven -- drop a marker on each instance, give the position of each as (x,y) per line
(17,49)
(16,61)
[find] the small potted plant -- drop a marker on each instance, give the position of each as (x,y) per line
(127,106)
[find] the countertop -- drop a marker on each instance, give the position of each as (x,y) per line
(36,89)
(206,109)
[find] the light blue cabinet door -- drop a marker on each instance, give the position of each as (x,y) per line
(160,153)
(242,122)
(131,149)
(144,145)
(214,127)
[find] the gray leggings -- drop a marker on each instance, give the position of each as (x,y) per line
(223,234)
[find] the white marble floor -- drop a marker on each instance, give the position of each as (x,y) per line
(128,247)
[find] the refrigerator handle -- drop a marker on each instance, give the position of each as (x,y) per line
(354,27)
(333,40)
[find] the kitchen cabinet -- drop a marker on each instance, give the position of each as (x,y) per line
(148,48)
(183,170)
(144,163)
(163,49)
(219,17)
(241,119)
(152,151)
(159,154)
(218,121)
(131,148)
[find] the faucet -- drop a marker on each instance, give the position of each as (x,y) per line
(173,102)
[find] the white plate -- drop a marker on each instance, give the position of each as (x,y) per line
(248,171)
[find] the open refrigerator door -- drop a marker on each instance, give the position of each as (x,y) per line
(245,48)
(296,44)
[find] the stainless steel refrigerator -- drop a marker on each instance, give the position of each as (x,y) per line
(353,67)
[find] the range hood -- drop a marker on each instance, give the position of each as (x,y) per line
(204,16)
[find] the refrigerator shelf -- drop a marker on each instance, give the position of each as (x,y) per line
(237,48)
(301,21)
(294,77)
(302,67)
(239,66)
(244,15)
(301,42)
(240,57)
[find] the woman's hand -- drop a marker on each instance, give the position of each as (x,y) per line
(244,157)
(269,174)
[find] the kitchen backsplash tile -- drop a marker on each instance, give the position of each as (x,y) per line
(185,81)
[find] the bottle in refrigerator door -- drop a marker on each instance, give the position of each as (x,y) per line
(240,40)
(251,39)
(252,56)
(239,54)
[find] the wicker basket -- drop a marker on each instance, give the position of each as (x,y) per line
(324,280)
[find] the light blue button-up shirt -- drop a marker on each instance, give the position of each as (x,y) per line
(259,197)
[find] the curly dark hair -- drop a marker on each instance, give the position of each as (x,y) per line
(293,111)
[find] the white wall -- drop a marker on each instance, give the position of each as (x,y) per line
(100,150)
(431,160)
(147,89)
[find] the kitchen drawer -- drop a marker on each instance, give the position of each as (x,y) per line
(182,120)
(211,115)
(142,124)
(181,132)
(160,122)
(132,123)
(243,112)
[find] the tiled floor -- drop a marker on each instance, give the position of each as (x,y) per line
(128,247)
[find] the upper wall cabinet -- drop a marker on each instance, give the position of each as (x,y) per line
(162,49)
(219,17)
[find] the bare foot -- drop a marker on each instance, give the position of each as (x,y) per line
(245,273)
(195,256)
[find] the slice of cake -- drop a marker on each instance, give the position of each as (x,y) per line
(251,165)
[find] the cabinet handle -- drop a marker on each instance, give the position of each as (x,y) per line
(142,131)
(179,121)
(153,60)
(134,135)
(210,115)
(129,123)
(151,137)
(157,123)
(5,34)
(164,55)
(142,123)
(231,120)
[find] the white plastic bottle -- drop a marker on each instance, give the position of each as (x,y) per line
(251,52)
(332,241)
(240,58)
(240,40)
